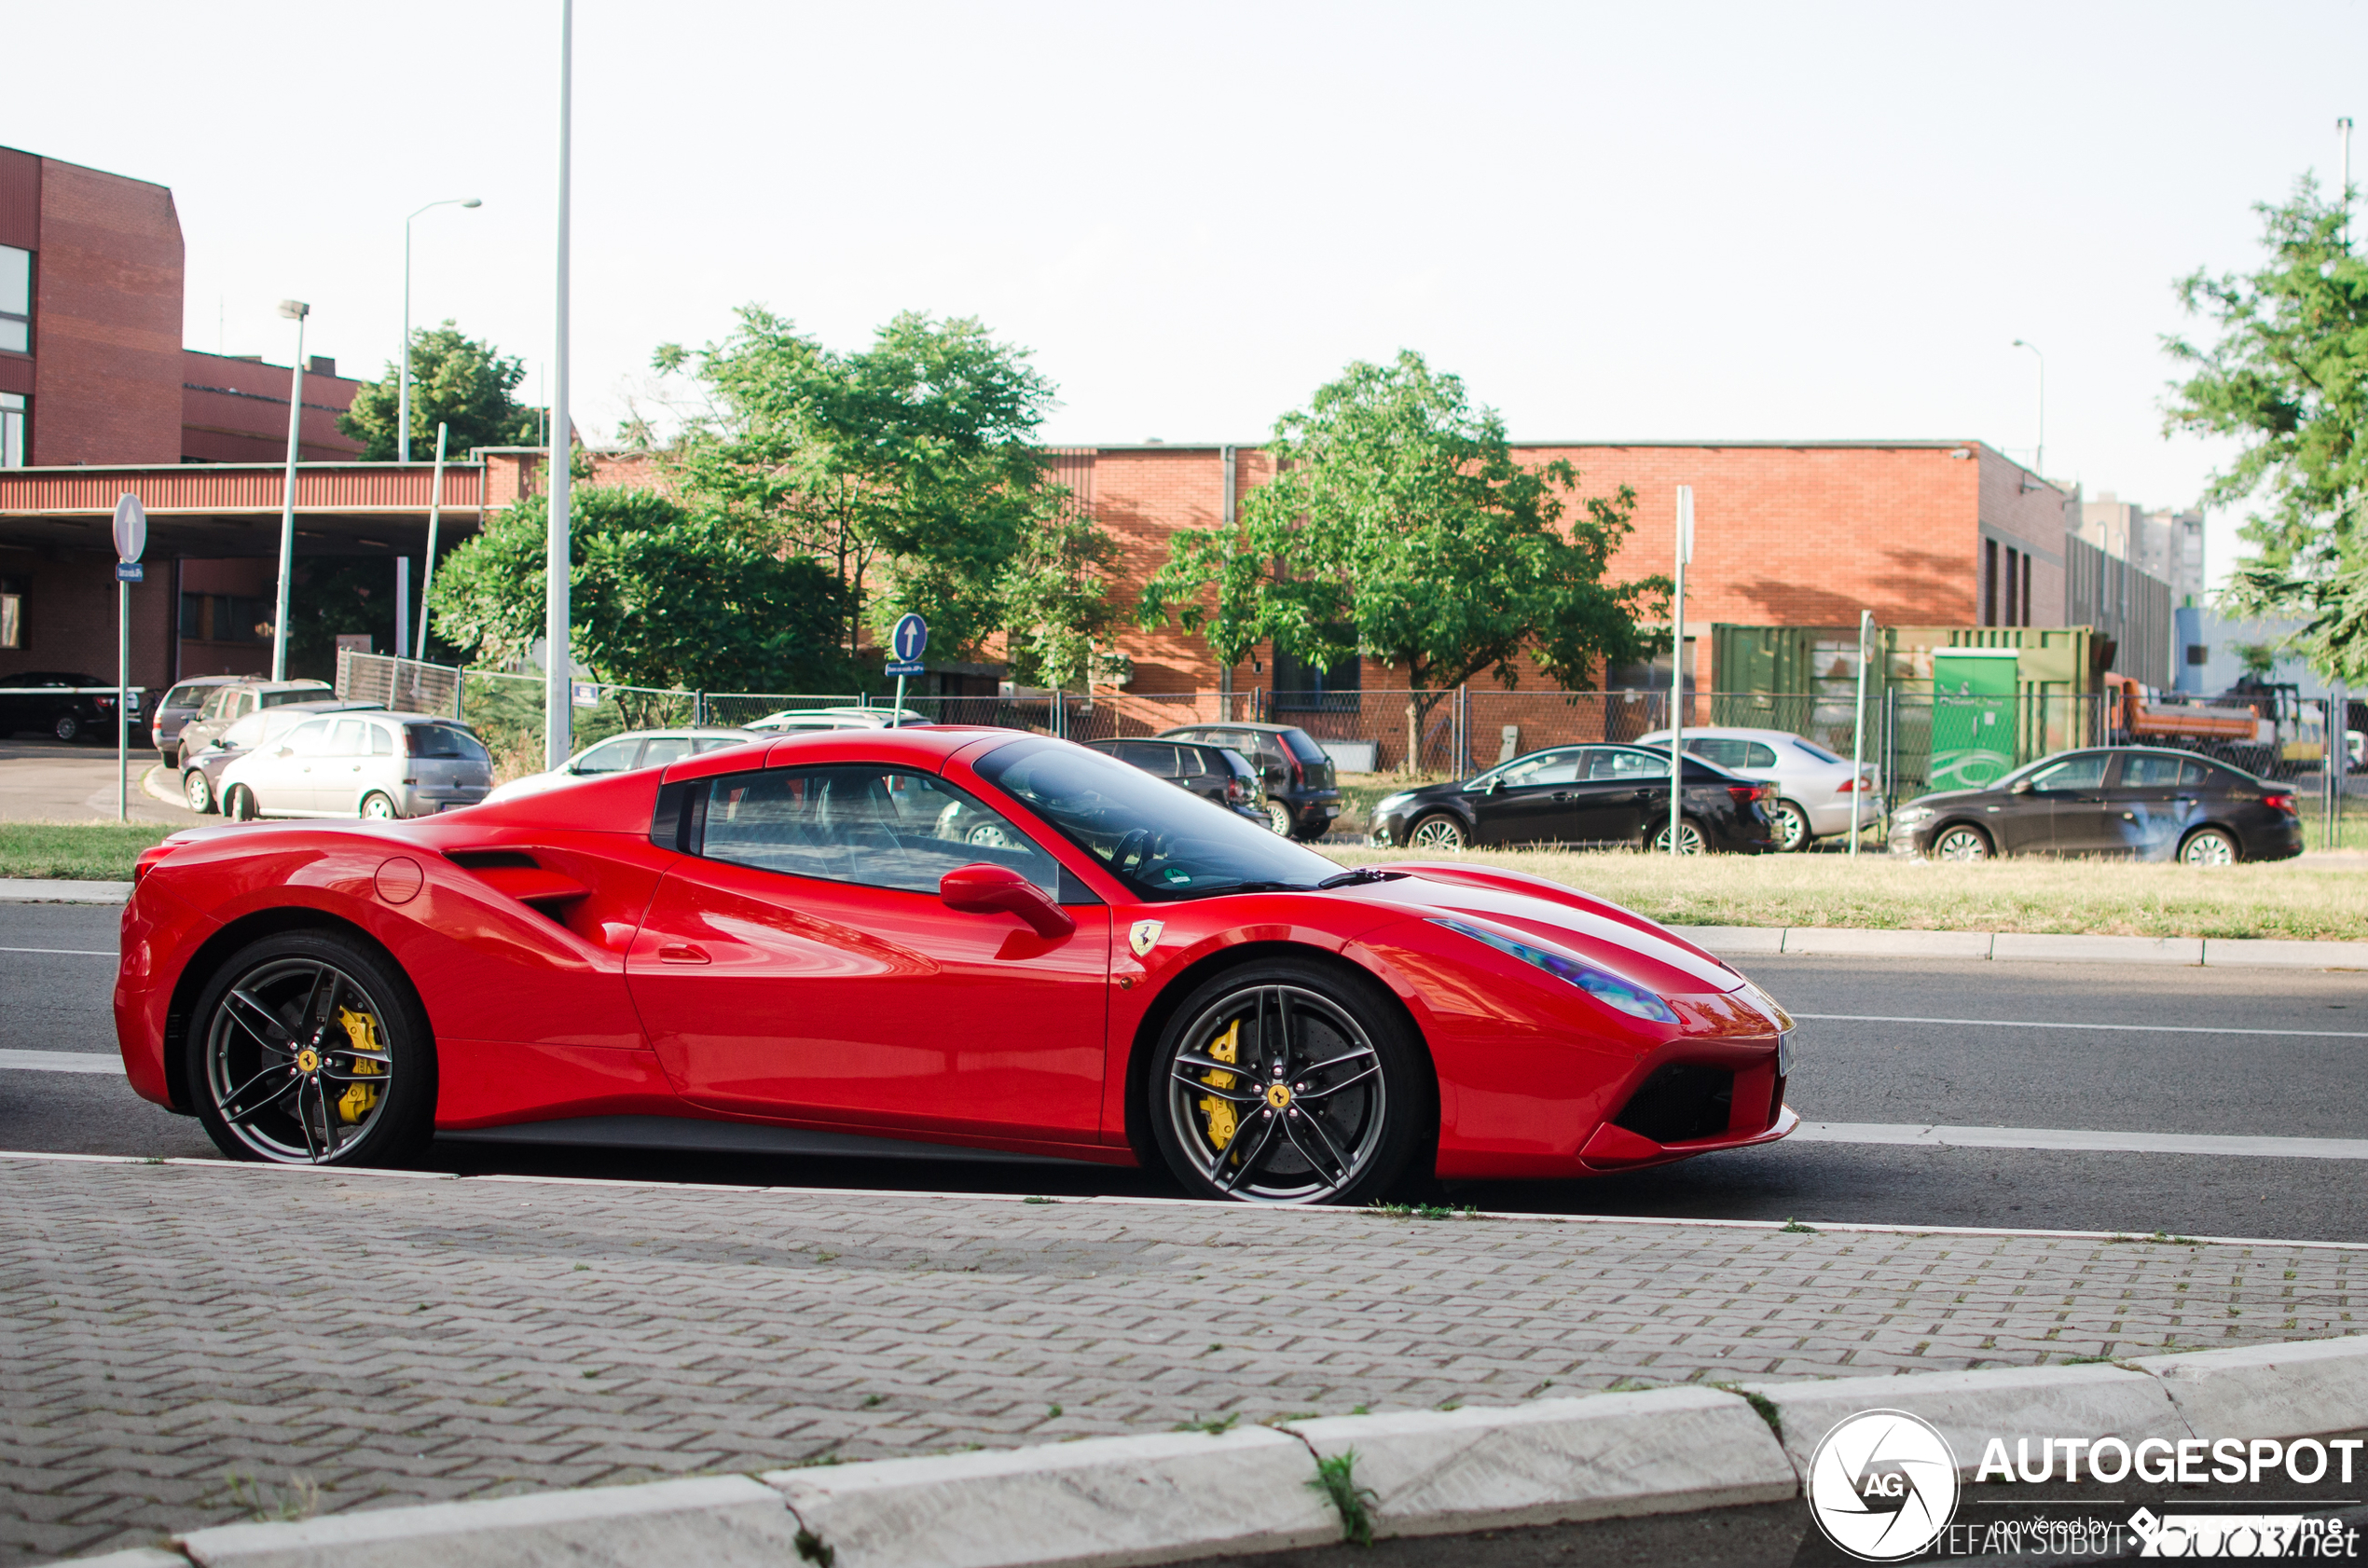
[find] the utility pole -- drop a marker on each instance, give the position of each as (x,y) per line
(556,691)
(296,311)
(1677,671)
(1858,736)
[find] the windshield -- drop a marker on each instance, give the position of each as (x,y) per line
(1164,842)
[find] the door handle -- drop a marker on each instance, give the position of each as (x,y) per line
(2129,816)
(683,953)
(1562,795)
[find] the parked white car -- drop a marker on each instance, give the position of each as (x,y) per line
(622,753)
(1814,785)
(794,718)
(361,764)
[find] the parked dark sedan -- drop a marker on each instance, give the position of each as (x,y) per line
(2154,804)
(45,700)
(1213,773)
(1583,794)
(1302,794)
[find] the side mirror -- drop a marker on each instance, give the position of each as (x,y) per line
(1492,786)
(2020,787)
(985,888)
(284,751)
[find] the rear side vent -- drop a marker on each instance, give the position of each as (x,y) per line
(1681,1100)
(479,859)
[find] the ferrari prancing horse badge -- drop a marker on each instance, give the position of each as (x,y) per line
(1145,936)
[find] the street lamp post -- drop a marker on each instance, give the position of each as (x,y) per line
(403,397)
(557,667)
(2039,458)
(296,311)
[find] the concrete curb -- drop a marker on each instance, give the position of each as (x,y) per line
(1744,942)
(35,889)
(1107,1502)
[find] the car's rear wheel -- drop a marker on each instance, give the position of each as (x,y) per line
(1690,840)
(239,804)
(2208,846)
(66,728)
(1437,832)
(309,1049)
(1790,825)
(1278,816)
(196,791)
(1289,1082)
(1963,843)
(378,807)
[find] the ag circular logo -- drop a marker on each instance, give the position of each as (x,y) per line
(1883,1486)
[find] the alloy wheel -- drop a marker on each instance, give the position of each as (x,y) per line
(1278,816)
(1792,827)
(297,1067)
(196,791)
(1440,832)
(68,727)
(378,808)
(1962,845)
(2210,847)
(1689,840)
(1276,1094)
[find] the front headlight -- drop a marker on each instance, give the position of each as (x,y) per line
(1602,984)
(1388,803)
(1909,815)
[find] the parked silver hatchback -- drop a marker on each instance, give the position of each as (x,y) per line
(374,764)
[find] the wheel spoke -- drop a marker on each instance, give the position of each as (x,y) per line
(1339,1172)
(237,1117)
(1249,1160)
(1373,1069)
(304,1120)
(259,1021)
(1186,1066)
(1286,1025)
(316,1005)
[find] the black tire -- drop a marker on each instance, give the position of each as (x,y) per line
(238,803)
(1276,1131)
(309,1048)
(1440,829)
(1962,842)
(1308,835)
(1790,828)
(66,726)
(199,792)
(390,814)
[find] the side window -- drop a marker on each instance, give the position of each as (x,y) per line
(246,732)
(219,703)
(609,756)
(243,704)
(1757,753)
(350,739)
(310,738)
(2194,776)
(1720,750)
(381,741)
(2085,770)
(1157,760)
(877,826)
(2141,771)
(1617,762)
(714,743)
(1546,767)
(664,749)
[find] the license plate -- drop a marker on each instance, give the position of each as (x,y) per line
(1331,811)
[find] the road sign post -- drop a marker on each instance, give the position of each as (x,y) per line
(906,642)
(131,539)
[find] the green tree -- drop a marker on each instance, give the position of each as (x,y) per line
(1399,526)
(456,379)
(910,469)
(659,597)
(2286,379)
(334,597)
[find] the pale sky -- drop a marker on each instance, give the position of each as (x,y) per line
(1679,222)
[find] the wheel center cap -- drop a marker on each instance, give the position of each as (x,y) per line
(1278,1095)
(308,1060)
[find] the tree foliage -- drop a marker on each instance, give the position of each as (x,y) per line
(910,469)
(454,378)
(659,596)
(1400,526)
(2286,377)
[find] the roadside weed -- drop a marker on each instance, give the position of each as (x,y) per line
(1336,1480)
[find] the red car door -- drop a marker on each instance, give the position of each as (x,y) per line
(802,965)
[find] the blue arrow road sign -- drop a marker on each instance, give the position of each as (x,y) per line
(911,635)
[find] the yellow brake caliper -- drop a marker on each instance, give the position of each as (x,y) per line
(1225,1048)
(363,1031)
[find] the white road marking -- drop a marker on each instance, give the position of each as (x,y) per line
(2134,1028)
(68,952)
(63,1060)
(2068,1139)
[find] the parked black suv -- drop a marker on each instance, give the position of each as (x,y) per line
(1302,794)
(1213,773)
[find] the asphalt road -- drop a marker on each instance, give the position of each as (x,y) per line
(2239,1053)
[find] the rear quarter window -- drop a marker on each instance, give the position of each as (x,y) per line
(1302,746)
(446,740)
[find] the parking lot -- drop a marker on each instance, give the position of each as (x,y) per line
(44,780)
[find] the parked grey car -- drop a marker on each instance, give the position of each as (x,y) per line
(1813,785)
(362,764)
(201,770)
(176,708)
(224,706)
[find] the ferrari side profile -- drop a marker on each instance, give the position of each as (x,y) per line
(866,940)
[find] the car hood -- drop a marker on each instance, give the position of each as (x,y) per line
(1946,797)
(1588,928)
(1429,792)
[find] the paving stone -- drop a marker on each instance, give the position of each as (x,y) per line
(396,1341)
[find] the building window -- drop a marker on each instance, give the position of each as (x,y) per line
(2026,588)
(2012,583)
(11,612)
(1989,581)
(12,412)
(16,300)
(224,618)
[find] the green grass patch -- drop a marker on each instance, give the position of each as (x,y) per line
(2321,901)
(77,851)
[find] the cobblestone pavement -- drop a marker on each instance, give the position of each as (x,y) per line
(187,1343)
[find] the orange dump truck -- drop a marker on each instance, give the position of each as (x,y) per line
(2132,712)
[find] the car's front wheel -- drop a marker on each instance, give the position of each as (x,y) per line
(66,728)
(2208,846)
(239,804)
(196,791)
(309,1049)
(1291,1083)
(1964,844)
(1437,832)
(1791,824)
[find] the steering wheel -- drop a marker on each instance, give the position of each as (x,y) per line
(1130,849)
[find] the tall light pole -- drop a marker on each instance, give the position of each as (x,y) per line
(296,311)
(403,397)
(1677,671)
(2039,458)
(557,664)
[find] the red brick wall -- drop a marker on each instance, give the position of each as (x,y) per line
(70,615)
(106,321)
(236,410)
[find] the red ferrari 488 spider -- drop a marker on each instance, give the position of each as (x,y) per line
(858,941)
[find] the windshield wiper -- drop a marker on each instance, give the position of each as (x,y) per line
(1362,873)
(1264,888)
